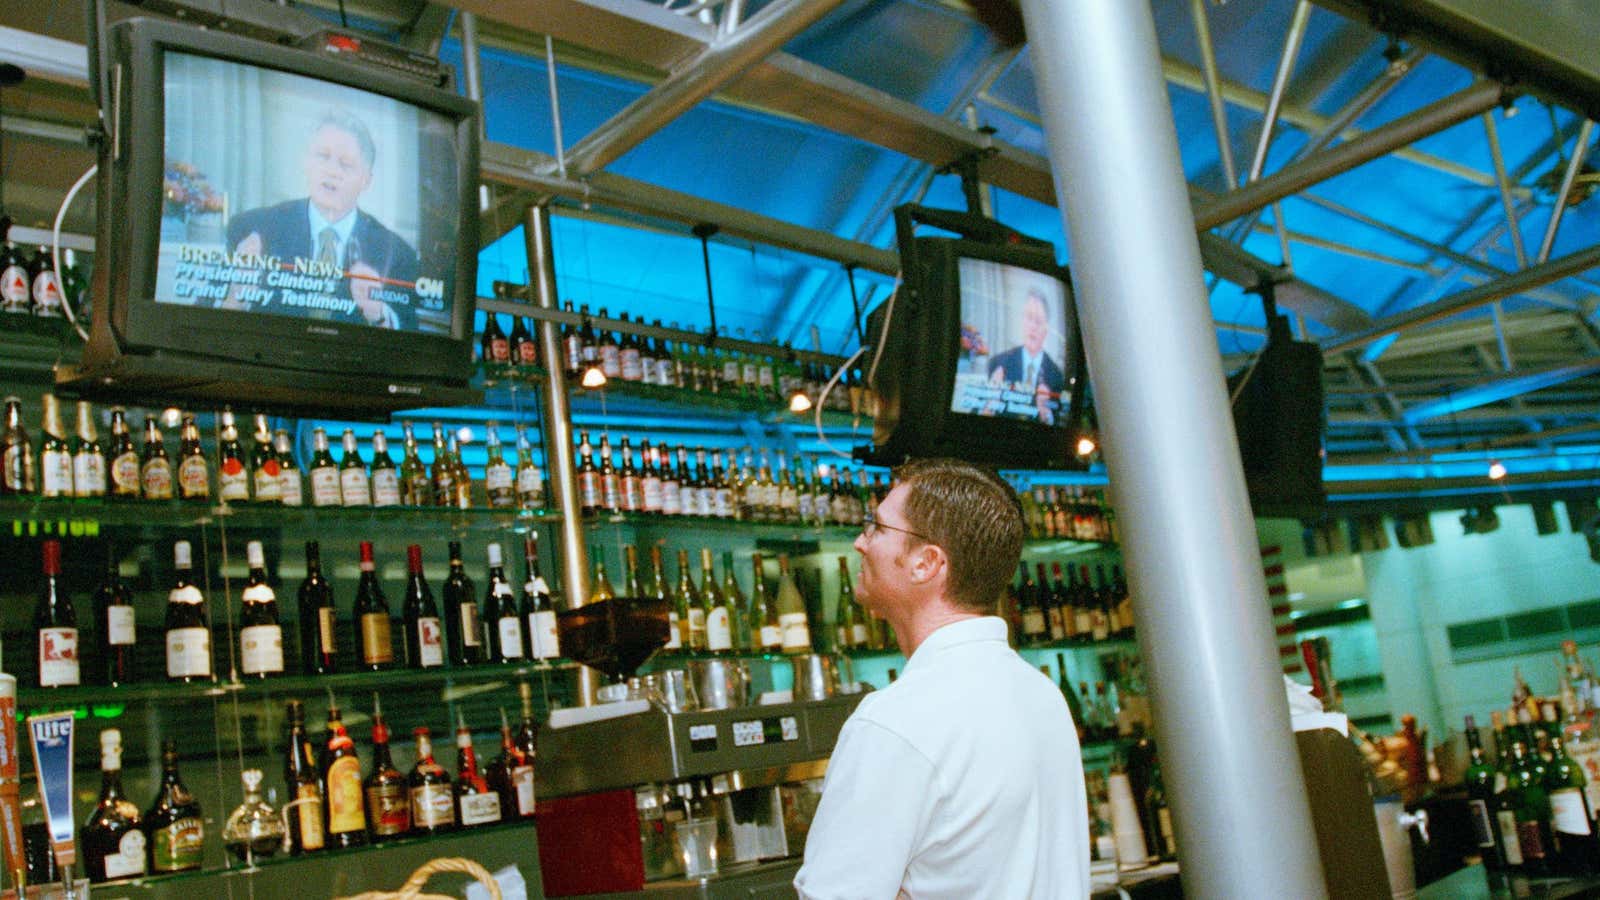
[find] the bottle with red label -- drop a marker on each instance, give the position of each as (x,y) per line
(16,291)
(233,482)
(265,473)
(45,284)
(433,808)
(424,631)
(155,469)
(341,777)
(388,800)
(56,624)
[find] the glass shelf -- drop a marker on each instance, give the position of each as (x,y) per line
(624,397)
(773,530)
(36,516)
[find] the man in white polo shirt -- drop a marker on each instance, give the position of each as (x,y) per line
(963,778)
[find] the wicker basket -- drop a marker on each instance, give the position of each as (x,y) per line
(412,889)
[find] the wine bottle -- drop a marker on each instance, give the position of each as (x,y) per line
(499,480)
(324,471)
(388,800)
(530,480)
(689,597)
(354,487)
(56,623)
(341,775)
(265,474)
(1577,847)
(1480,783)
(187,626)
(677,616)
(538,609)
(1527,807)
(462,630)
(385,478)
(174,828)
(528,730)
(766,628)
(718,624)
(194,470)
(416,489)
(88,457)
(506,644)
(55,457)
(511,776)
(738,610)
(372,616)
(233,482)
(476,804)
(260,635)
(124,469)
(114,626)
(424,633)
(432,807)
(290,487)
(300,779)
(318,646)
(792,611)
(19,474)
(601,588)
(113,844)
(850,630)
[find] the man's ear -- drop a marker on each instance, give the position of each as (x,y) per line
(928,562)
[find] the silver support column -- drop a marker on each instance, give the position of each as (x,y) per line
(558,422)
(1205,631)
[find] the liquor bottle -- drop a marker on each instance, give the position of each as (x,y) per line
(850,630)
(290,487)
(187,626)
(194,470)
(56,624)
(571,346)
(301,781)
(677,615)
(689,600)
(792,611)
(443,480)
(524,349)
(46,285)
(113,845)
(15,290)
(385,478)
(265,475)
(233,482)
(19,475)
(324,471)
(495,350)
(341,777)
(371,616)
(738,610)
(1073,706)
(155,470)
(355,489)
(416,489)
(174,828)
(766,630)
(498,477)
(260,635)
(462,630)
(1051,604)
(538,611)
(388,800)
(601,588)
(1083,599)
(632,482)
(476,803)
(610,478)
(528,731)
(1577,847)
(55,457)
(124,468)
(530,479)
(115,634)
(511,776)
(432,807)
(318,646)
(506,643)
(630,358)
(424,632)
(88,457)
(718,624)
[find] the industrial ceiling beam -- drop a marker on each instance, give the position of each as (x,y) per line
(1496,389)
(727,56)
(1430,119)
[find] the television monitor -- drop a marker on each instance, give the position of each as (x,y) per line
(978,354)
(284,217)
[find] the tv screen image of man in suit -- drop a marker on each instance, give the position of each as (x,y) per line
(328,227)
(1028,367)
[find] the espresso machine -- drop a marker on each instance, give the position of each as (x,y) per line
(681,779)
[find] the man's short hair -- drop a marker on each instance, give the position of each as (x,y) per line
(974,516)
(347,122)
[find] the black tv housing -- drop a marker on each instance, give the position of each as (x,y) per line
(915,347)
(145,351)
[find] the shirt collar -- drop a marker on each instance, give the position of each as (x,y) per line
(342,228)
(963,631)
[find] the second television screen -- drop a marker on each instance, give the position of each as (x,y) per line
(291,196)
(1014,346)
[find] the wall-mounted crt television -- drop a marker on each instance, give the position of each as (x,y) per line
(981,355)
(309,218)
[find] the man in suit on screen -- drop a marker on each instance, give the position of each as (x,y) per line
(1028,367)
(327,226)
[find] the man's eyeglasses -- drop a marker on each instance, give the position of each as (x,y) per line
(870,524)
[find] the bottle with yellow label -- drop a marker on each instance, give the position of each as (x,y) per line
(194,471)
(341,773)
(374,631)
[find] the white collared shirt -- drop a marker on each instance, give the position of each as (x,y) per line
(962,779)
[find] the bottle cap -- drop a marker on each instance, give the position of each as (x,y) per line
(182,556)
(253,554)
(380,442)
(366,556)
(51,551)
(495,558)
(414,558)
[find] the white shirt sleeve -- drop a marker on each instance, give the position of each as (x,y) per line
(875,809)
